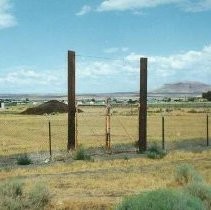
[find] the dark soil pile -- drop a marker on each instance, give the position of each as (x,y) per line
(49,107)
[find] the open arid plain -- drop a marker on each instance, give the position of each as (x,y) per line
(107,175)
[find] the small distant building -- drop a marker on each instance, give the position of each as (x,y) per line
(92,103)
(79,102)
(2,106)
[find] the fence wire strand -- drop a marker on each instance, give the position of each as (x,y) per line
(20,134)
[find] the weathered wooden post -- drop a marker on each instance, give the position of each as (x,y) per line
(71,144)
(76,126)
(142,142)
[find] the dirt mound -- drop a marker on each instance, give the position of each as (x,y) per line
(49,107)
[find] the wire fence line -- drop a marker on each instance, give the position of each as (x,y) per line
(21,134)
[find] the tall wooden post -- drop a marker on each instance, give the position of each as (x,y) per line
(143,106)
(76,126)
(71,144)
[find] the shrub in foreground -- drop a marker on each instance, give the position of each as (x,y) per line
(164,199)
(186,174)
(155,152)
(81,154)
(11,189)
(13,197)
(24,160)
(202,191)
(10,195)
(39,197)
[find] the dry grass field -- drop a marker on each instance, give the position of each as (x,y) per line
(104,181)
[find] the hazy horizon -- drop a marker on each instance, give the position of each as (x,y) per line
(109,38)
(90,93)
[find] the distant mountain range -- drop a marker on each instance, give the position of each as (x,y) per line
(184,87)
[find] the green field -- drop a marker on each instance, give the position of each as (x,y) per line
(101,183)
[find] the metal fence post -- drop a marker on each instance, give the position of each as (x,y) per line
(49,132)
(163,133)
(207,130)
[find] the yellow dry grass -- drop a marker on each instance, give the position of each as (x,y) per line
(100,184)
(20,133)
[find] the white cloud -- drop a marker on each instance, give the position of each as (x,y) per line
(196,6)
(28,77)
(84,10)
(198,62)
(6,18)
(123,5)
(115,49)
(190,66)
(30,80)
(189,60)
(103,75)
(124,49)
(111,50)
(96,69)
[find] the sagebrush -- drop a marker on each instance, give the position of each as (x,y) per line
(13,196)
(162,199)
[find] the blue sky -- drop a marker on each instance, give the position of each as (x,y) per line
(35,36)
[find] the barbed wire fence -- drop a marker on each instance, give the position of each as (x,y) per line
(116,129)
(176,133)
(21,134)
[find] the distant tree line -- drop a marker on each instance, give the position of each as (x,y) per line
(207,95)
